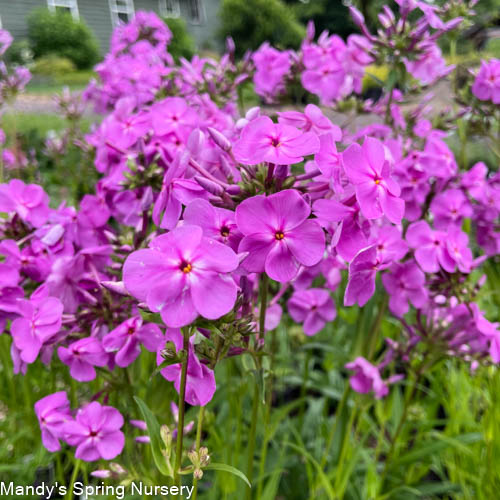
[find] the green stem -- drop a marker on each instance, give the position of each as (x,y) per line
(453,56)
(389,104)
(408,398)
(267,418)
(199,428)
(338,414)
(303,389)
(182,397)
(263,304)
(76,468)
(343,450)
(255,403)
(376,326)
(251,437)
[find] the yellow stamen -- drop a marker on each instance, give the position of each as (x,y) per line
(187,268)
(279,235)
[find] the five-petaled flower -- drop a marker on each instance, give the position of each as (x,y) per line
(278,234)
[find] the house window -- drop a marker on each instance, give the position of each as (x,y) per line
(196,11)
(122,11)
(70,6)
(170,8)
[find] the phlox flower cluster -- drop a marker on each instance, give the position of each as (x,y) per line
(12,81)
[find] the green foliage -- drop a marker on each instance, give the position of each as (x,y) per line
(326,15)
(32,130)
(252,22)
(52,65)
(58,33)
(182,43)
(19,53)
(493,47)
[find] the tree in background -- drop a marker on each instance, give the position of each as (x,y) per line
(329,15)
(182,43)
(252,22)
(57,33)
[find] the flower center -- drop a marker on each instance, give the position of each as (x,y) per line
(186,267)
(224,231)
(377,181)
(279,235)
(275,142)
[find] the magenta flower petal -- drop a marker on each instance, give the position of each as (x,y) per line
(392,207)
(254,214)
(217,257)
(280,263)
(355,164)
(375,154)
(140,272)
(111,445)
(179,311)
(290,207)
(258,245)
(26,340)
(307,243)
(221,298)
(313,324)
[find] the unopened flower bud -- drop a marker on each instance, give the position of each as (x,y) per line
(357,17)
(230,47)
(101,474)
(115,286)
(252,113)
(310,31)
(166,436)
(233,190)
(195,141)
(208,185)
(117,468)
(226,167)
(204,456)
(193,457)
(220,139)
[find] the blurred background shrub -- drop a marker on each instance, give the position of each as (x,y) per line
(57,33)
(326,15)
(182,43)
(19,53)
(252,22)
(53,65)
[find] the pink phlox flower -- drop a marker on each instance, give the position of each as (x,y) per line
(125,340)
(95,432)
(278,234)
(183,274)
(313,307)
(40,320)
(376,191)
(264,141)
(52,412)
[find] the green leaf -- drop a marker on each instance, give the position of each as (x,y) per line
(230,469)
(324,480)
(154,435)
(445,487)
(430,448)
(150,317)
